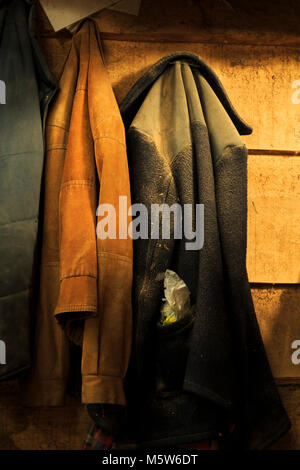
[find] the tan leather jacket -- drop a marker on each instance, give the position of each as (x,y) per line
(85,290)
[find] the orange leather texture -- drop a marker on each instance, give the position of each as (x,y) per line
(85,290)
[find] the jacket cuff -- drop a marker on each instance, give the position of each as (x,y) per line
(103,389)
(77,298)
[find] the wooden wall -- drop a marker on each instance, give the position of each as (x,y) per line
(255,50)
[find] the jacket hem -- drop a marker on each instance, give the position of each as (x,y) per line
(273,437)
(205,393)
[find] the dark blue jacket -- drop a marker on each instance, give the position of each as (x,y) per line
(28,88)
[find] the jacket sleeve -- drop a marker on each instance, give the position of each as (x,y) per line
(107,338)
(77,206)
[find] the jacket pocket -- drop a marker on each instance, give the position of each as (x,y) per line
(173,342)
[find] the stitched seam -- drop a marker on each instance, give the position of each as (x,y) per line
(18,153)
(109,118)
(75,308)
(50,263)
(112,116)
(70,183)
(118,377)
(110,138)
(106,254)
(60,127)
(226,150)
(41,379)
(19,220)
(56,148)
(68,276)
(16,292)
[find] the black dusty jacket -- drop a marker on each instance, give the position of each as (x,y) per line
(196,378)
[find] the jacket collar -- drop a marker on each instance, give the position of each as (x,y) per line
(136,95)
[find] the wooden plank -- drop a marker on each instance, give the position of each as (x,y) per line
(273,253)
(280,153)
(218,21)
(278,313)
